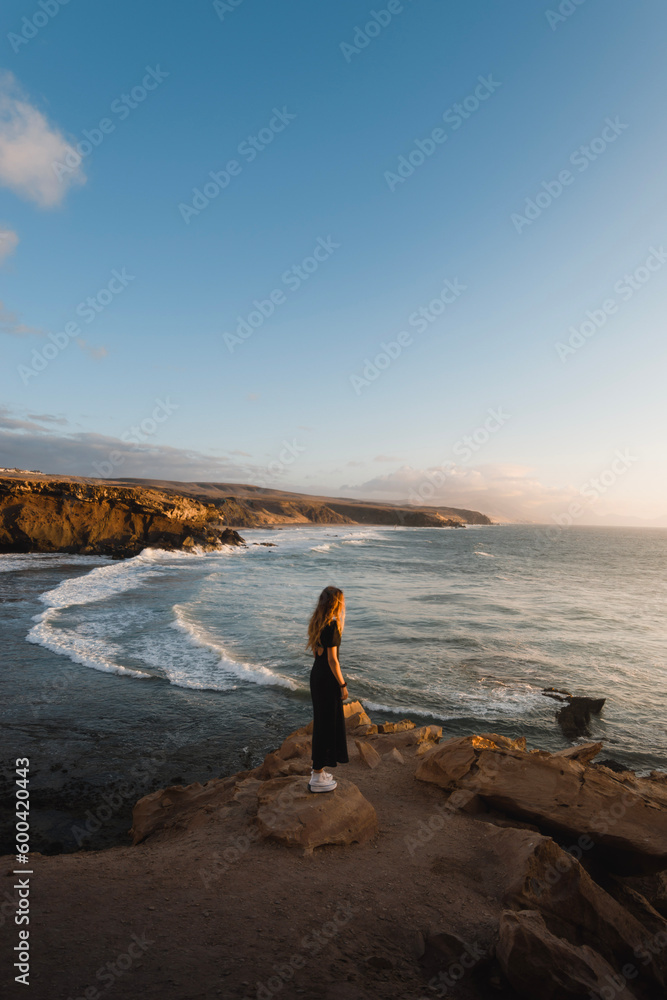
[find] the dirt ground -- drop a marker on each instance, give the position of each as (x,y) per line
(172,919)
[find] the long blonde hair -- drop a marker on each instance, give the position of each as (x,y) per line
(330,606)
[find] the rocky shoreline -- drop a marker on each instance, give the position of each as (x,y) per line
(468,867)
(40,513)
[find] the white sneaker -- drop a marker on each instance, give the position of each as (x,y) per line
(321,782)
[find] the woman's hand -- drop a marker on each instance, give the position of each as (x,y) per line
(343,692)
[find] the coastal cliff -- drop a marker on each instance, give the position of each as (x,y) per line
(40,513)
(469,867)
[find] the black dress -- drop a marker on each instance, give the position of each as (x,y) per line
(329,736)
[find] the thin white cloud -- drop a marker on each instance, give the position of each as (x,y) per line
(29,147)
(12,325)
(8,243)
(503,491)
(96,353)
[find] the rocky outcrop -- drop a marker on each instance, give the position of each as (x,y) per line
(575,714)
(56,515)
(539,920)
(40,513)
(288,812)
(621,815)
(580,911)
(538,963)
(574,717)
(180,807)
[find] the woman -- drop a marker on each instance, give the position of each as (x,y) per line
(327,689)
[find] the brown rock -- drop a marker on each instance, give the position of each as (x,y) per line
(273,767)
(357,732)
(357,719)
(653,888)
(624,815)
(579,910)
(395,754)
(288,812)
(464,801)
(369,756)
(56,514)
(505,741)
(537,963)
(583,752)
(295,745)
(179,807)
(353,708)
(396,727)
(409,738)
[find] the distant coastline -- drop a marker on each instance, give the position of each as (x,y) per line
(120,517)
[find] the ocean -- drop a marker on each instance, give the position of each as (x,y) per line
(173,667)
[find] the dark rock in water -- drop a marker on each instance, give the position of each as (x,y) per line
(556,693)
(574,717)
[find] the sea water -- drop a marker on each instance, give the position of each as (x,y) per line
(202,656)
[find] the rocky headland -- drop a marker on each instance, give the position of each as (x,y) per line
(470,867)
(40,513)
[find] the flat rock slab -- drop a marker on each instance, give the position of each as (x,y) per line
(288,812)
(624,815)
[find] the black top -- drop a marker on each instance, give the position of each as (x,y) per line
(330,635)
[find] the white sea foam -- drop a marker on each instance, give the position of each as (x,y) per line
(504,700)
(80,646)
(255,673)
(487,554)
(403,710)
(105,581)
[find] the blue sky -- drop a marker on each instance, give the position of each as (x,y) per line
(333,110)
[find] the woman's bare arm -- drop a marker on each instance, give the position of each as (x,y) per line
(332,657)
